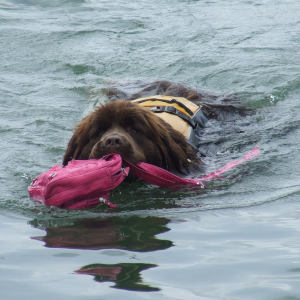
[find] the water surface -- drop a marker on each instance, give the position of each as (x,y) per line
(238,239)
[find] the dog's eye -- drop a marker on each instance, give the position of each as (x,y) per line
(132,131)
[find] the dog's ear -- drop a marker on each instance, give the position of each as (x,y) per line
(81,142)
(71,149)
(177,155)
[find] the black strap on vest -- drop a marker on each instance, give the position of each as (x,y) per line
(172,110)
(169,102)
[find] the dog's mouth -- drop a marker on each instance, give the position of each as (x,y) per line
(126,151)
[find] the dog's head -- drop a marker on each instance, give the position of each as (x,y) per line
(136,133)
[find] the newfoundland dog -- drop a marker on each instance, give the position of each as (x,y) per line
(163,127)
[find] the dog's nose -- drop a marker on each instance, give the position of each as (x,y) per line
(113,141)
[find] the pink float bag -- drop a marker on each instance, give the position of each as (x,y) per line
(81,184)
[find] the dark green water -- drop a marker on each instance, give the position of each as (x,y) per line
(238,239)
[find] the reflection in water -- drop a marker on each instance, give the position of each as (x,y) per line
(125,275)
(128,233)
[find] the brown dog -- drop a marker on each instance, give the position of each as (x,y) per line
(138,133)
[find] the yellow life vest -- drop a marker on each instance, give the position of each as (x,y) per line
(182,114)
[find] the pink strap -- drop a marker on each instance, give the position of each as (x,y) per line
(161,177)
(229,166)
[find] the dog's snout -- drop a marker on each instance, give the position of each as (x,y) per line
(113,141)
(117,141)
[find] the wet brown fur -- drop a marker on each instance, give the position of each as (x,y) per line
(143,135)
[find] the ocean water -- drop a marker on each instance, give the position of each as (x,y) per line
(237,239)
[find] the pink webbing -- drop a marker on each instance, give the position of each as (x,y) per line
(161,177)
(229,166)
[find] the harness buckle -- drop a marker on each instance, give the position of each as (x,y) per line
(156,108)
(125,173)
